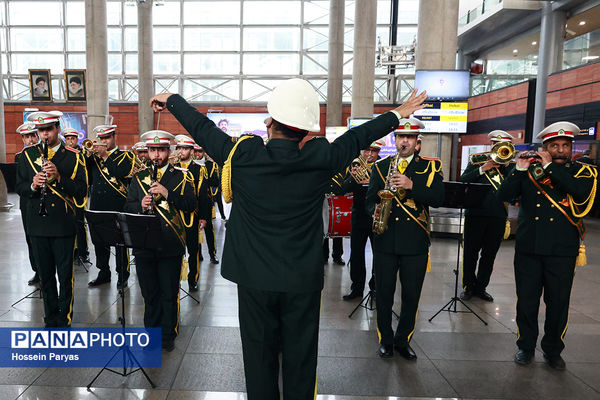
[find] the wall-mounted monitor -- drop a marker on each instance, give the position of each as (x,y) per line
(443,85)
(444,117)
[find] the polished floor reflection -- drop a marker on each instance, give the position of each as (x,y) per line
(459,357)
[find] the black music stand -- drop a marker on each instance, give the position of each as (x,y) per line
(108,228)
(461,195)
(30,295)
(367,301)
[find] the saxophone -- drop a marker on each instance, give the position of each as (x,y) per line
(386,195)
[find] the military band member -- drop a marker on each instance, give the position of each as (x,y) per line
(214,175)
(212,180)
(419,144)
(555,196)
(108,169)
(273,244)
(52,186)
(159,271)
(28,132)
(485,226)
(402,249)
(362,223)
(141,151)
(195,221)
(337,242)
(81,247)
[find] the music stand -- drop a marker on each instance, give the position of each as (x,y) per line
(29,296)
(108,228)
(461,195)
(367,301)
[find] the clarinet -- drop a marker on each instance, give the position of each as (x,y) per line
(150,209)
(44,188)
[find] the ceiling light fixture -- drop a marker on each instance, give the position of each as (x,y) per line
(581,23)
(515,51)
(533,43)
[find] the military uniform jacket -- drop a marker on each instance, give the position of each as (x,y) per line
(275,231)
(22,199)
(201,188)
(492,206)
(60,203)
(408,225)
(543,227)
(105,194)
(181,198)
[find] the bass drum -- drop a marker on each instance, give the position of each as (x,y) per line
(337,215)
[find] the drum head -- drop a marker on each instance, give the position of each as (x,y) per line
(325,216)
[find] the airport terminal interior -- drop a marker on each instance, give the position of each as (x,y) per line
(511,66)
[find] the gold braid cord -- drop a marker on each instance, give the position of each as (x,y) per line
(593,173)
(226,174)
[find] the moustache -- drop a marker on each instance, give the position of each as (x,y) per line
(560,158)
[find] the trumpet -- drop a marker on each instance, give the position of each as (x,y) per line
(362,171)
(501,153)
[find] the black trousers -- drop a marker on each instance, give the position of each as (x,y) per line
(29,246)
(55,255)
(159,283)
(218,199)
(274,321)
(482,234)
(193,249)
(554,275)
(121,258)
(209,235)
(411,271)
(82,243)
(358,242)
(337,251)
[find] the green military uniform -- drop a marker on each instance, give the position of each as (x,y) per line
(273,243)
(402,250)
(484,226)
(108,192)
(23,200)
(547,244)
(215,179)
(53,236)
(159,271)
(191,220)
(212,188)
(81,246)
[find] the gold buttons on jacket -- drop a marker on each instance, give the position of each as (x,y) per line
(551,219)
(397,218)
(539,192)
(536,218)
(537,205)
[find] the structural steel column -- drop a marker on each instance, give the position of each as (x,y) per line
(549,61)
(363,65)
(335,64)
(97,63)
(145,78)
(437,43)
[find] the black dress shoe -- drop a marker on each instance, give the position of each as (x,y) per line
(523,357)
(34,281)
(353,294)
(200,258)
(168,345)
(555,362)
(214,260)
(406,352)
(339,261)
(193,287)
(466,294)
(386,350)
(483,295)
(100,280)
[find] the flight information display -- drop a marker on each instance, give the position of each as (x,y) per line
(444,117)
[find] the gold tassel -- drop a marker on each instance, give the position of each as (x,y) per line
(506,230)
(184,269)
(214,212)
(581,259)
(428,262)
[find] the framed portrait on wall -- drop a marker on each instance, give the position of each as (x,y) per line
(75,85)
(40,85)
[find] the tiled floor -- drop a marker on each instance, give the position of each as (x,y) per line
(459,357)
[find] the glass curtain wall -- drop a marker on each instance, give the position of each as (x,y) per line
(210,51)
